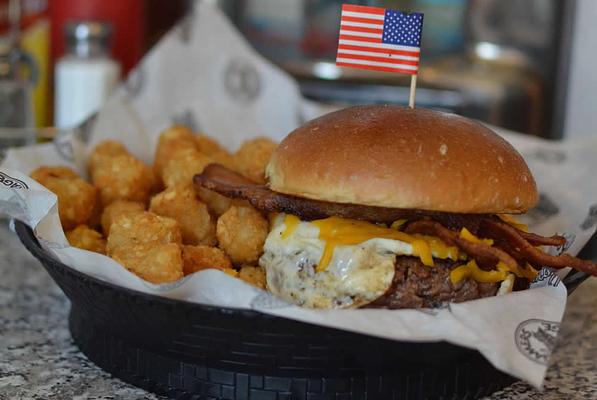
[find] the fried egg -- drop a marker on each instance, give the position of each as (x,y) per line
(355,275)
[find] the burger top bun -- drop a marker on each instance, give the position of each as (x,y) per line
(399,157)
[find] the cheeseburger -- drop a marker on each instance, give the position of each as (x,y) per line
(384,206)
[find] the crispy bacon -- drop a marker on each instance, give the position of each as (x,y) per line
(230,184)
(538,240)
(501,230)
(512,246)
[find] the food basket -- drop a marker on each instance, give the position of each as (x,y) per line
(190,351)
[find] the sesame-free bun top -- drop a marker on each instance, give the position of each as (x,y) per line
(399,157)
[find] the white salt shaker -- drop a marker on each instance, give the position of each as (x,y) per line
(86,74)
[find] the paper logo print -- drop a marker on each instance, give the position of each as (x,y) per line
(536,339)
(241,80)
(547,156)
(187,25)
(264,300)
(591,219)
(570,238)
(186,118)
(136,81)
(12,183)
(64,147)
(546,277)
(83,131)
(544,209)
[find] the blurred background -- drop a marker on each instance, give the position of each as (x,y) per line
(523,65)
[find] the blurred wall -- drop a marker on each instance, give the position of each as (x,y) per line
(581,104)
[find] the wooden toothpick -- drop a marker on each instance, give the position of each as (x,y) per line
(413,90)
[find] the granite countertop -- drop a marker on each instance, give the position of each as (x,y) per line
(38,359)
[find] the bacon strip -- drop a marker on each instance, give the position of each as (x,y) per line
(487,256)
(230,184)
(533,238)
(501,230)
(538,240)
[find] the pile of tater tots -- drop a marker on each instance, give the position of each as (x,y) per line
(152,220)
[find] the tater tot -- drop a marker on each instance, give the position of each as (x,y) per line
(207,145)
(253,275)
(181,204)
(76,198)
(156,263)
(241,233)
(123,177)
(86,238)
(196,258)
(216,203)
(224,158)
(104,151)
(252,158)
(212,148)
(171,140)
(94,221)
(44,173)
(142,227)
(183,165)
(116,209)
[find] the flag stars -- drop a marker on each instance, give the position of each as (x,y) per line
(402,29)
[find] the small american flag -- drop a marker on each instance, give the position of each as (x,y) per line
(379,39)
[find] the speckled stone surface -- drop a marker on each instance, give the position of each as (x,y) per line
(38,359)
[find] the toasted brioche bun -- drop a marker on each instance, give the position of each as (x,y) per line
(399,157)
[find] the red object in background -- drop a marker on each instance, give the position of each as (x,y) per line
(31,12)
(127,18)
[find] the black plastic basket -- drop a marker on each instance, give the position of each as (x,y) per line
(191,351)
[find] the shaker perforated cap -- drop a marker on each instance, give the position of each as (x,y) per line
(88,37)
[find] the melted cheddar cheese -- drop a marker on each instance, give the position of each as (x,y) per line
(528,272)
(510,220)
(397,224)
(291,222)
(467,235)
(472,270)
(335,231)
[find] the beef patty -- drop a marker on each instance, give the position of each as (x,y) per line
(416,285)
